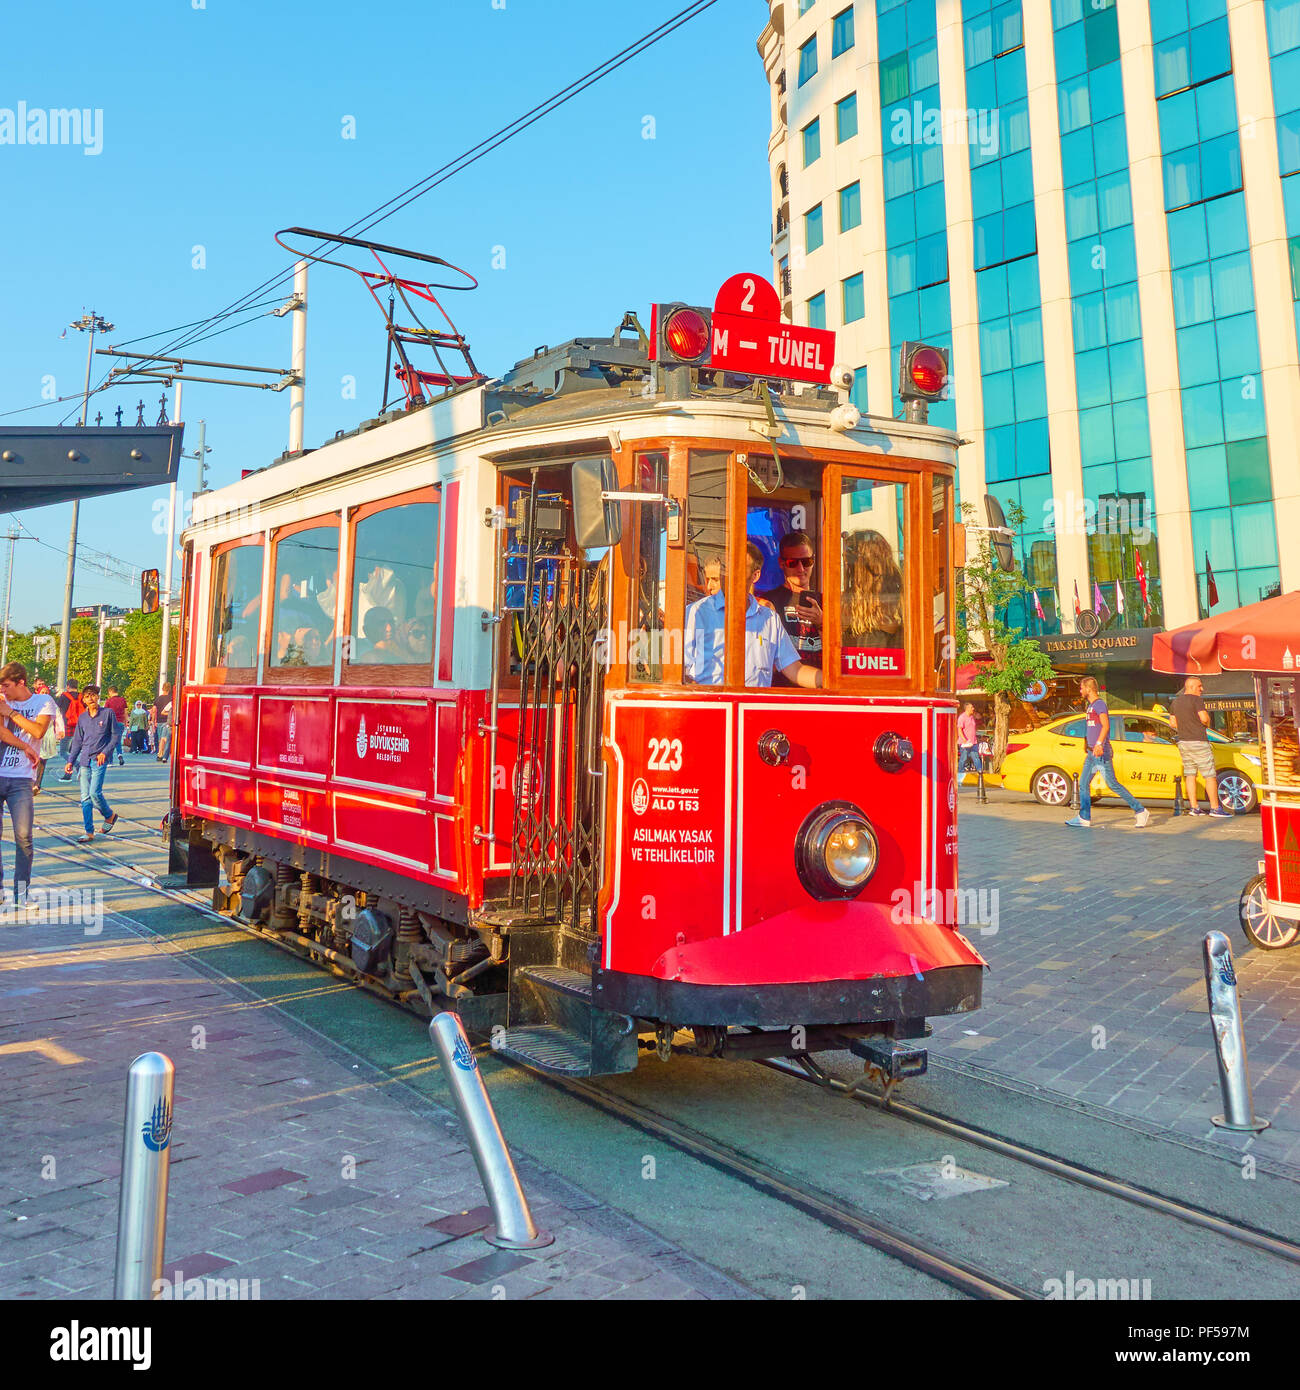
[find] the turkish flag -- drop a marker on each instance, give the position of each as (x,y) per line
(1140,570)
(1211,588)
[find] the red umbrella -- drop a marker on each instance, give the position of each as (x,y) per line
(1260,637)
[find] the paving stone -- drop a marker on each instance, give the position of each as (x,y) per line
(488,1267)
(263,1182)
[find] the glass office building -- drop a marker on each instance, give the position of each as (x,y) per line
(1095,205)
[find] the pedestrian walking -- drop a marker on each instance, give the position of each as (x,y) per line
(1191,720)
(117,704)
(27,717)
(162,707)
(92,746)
(968,740)
(70,707)
(139,727)
(1100,758)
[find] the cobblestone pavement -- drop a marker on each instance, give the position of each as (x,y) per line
(1096,989)
(292,1163)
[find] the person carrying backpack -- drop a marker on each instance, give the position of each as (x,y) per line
(71,707)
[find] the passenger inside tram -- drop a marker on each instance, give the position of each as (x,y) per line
(395,586)
(872,603)
(768,647)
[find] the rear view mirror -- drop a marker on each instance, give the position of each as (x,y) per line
(596,522)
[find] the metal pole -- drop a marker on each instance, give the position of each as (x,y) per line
(1229,1038)
(298,366)
(65,636)
(99,654)
(513,1226)
(146,1159)
(9,585)
(164,653)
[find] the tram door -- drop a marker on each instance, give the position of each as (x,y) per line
(555,603)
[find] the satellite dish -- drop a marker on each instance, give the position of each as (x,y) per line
(1001,533)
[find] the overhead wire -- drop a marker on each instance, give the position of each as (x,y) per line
(462,161)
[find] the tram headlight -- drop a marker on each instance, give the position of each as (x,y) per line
(836,851)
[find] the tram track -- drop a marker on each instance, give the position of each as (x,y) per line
(963,1276)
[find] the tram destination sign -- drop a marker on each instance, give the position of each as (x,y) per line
(751,337)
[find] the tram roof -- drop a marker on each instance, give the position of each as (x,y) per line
(582,380)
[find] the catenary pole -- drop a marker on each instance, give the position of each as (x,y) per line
(90,323)
(167,578)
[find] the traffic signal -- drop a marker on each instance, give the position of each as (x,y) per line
(149,591)
(681,334)
(922,378)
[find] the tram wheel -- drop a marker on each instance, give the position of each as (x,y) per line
(1051,787)
(1262,927)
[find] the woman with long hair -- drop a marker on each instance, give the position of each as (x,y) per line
(872,605)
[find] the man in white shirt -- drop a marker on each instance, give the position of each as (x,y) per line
(767,644)
(24,718)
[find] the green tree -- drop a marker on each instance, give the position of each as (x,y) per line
(1013,661)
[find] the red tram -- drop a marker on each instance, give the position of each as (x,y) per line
(477,707)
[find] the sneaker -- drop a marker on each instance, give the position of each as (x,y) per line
(85,839)
(1078,823)
(67,777)
(110,823)
(1142,818)
(1220,814)
(1194,812)
(121,762)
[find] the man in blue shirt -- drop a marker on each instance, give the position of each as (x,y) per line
(1100,758)
(767,643)
(92,746)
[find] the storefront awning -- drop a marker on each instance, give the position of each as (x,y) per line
(1259,637)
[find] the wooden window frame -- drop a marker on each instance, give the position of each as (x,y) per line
(405,675)
(298,675)
(231,675)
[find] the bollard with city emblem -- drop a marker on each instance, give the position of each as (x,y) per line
(1229,1038)
(146,1160)
(513,1226)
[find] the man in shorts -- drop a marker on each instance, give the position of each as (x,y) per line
(1191,720)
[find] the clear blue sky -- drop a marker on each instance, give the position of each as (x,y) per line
(222,124)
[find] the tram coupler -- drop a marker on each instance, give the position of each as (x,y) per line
(892,1059)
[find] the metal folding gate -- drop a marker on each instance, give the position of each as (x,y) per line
(554,850)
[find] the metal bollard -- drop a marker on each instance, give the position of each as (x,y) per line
(1074,792)
(513,1228)
(146,1161)
(1179,809)
(1229,1038)
(982,795)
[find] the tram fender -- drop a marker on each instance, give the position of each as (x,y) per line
(820,942)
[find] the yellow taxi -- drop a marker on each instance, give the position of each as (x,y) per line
(1045,760)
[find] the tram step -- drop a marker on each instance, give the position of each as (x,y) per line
(558,1001)
(548,1048)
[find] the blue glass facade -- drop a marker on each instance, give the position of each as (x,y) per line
(1228,475)
(915,222)
(1114,434)
(1017,458)
(1283,20)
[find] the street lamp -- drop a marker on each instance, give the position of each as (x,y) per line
(90,323)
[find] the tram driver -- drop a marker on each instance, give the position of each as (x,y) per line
(768,646)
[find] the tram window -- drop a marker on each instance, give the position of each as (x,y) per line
(872,534)
(236,607)
(648,561)
(394,586)
(940,536)
(706,563)
(783,518)
(302,618)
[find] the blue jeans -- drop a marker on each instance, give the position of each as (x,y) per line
(92,795)
(16,792)
(969,756)
(164,740)
(1106,765)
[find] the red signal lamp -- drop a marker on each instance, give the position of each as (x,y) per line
(682,334)
(922,372)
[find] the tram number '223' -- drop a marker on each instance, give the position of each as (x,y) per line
(665,755)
